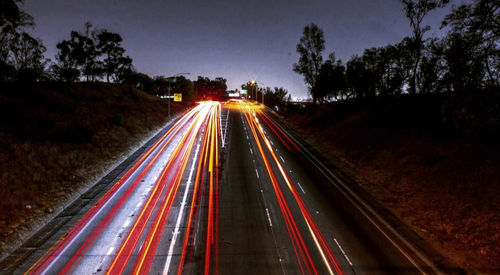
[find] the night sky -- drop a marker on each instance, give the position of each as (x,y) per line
(237,40)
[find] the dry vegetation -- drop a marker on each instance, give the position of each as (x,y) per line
(444,187)
(56,137)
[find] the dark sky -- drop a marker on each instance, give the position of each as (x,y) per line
(237,40)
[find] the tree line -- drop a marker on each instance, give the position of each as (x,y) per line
(467,58)
(275,98)
(94,54)
(91,54)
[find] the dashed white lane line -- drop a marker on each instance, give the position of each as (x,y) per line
(269,218)
(179,216)
(282,159)
(300,186)
(251,152)
(342,250)
(110,250)
(257,172)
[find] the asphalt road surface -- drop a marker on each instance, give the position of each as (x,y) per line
(225,189)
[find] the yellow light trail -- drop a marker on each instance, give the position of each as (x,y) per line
(320,244)
(120,261)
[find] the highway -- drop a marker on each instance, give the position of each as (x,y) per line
(226,189)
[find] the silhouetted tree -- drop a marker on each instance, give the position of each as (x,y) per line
(143,82)
(66,69)
(330,81)
(109,45)
(210,89)
(415,11)
(79,52)
(21,56)
(476,27)
(124,69)
(465,69)
(277,97)
(27,57)
(180,84)
(202,86)
(93,53)
(323,87)
(87,52)
(310,48)
(219,85)
(359,78)
(387,69)
(432,68)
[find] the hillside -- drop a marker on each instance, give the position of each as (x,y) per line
(432,160)
(56,138)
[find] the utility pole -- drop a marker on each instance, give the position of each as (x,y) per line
(168,99)
(254,84)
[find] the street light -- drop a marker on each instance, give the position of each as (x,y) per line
(169,87)
(254,83)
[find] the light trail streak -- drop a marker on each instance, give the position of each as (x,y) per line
(143,263)
(195,198)
(179,218)
(121,259)
(316,235)
(270,122)
(54,253)
(300,249)
(208,156)
(146,229)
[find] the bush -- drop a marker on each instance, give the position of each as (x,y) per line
(116,120)
(474,114)
(77,135)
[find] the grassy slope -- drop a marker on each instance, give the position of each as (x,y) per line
(56,137)
(444,188)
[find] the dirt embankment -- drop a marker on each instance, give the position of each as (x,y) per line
(401,150)
(56,138)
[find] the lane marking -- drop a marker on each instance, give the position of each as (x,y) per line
(179,217)
(300,186)
(343,252)
(110,250)
(360,204)
(256,172)
(127,223)
(251,152)
(269,218)
(282,159)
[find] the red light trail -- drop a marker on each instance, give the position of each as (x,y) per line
(168,158)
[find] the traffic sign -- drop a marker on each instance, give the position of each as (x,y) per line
(177,97)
